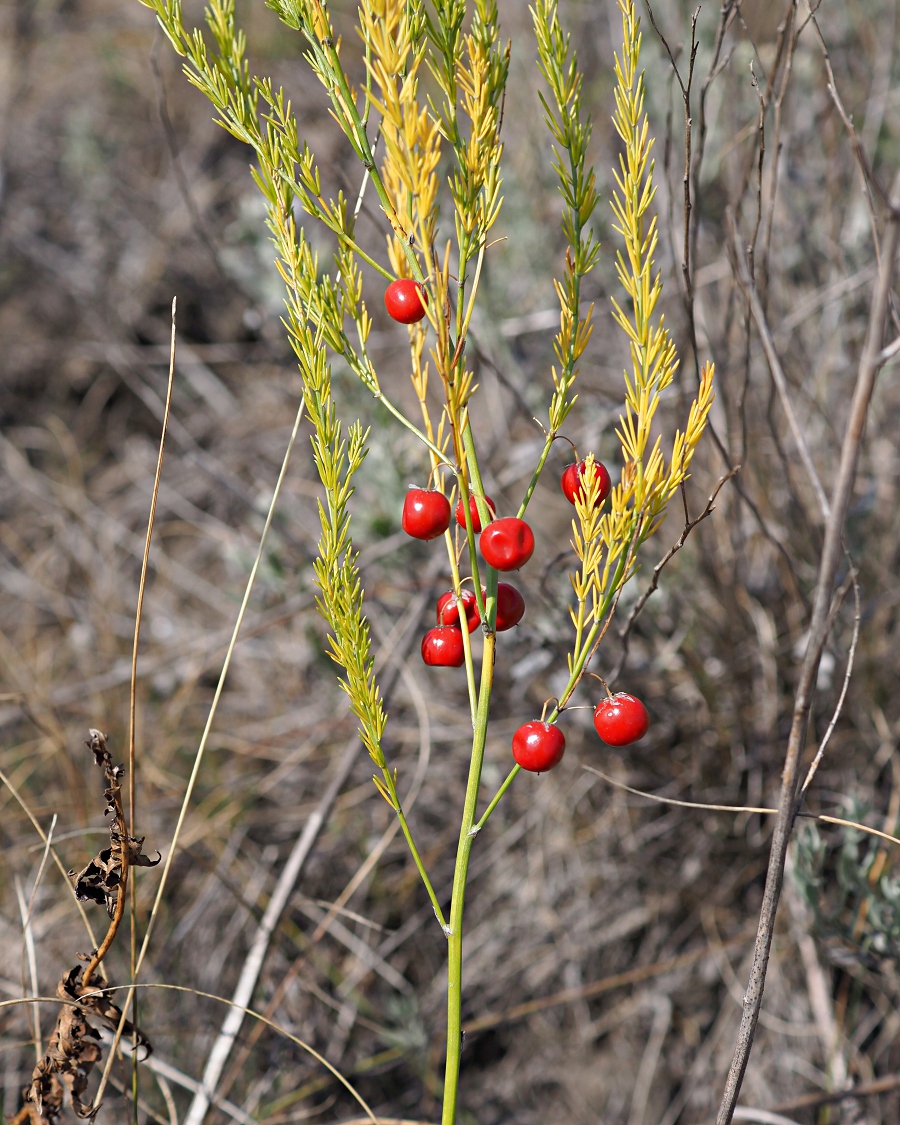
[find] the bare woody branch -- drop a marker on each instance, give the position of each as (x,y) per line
(819,626)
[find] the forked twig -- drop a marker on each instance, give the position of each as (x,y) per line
(747,284)
(839,706)
(685,85)
(831,553)
(638,606)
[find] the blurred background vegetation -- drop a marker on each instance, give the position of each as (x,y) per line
(117,192)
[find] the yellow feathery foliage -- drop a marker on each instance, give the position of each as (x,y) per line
(606,542)
(412,141)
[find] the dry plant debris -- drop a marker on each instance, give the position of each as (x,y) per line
(74,1048)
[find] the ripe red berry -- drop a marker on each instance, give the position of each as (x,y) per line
(448,609)
(538,746)
(573,477)
(621,720)
(405,300)
(473,508)
(510,606)
(426,513)
(507,544)
(443,647)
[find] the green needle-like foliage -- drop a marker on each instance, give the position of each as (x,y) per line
(571,129)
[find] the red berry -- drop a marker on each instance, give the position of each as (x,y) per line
(538,746)
(448,609)
(443,647)
(507,544)
(510,606)
(473,508)
(405,300)
(621,720)
(573,477)
(426,513)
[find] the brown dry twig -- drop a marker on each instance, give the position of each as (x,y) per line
(685,85)
(689,526)
(818,632)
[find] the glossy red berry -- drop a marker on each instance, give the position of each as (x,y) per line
(405,300)
(510,606)
(473,508)
(538,746)
(448,609)
(573,478)
(507,544)
(443,647)
(621,720)
(426,513)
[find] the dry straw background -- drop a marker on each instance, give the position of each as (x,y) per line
(118,193)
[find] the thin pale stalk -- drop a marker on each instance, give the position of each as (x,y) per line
(365,148)
(335,1073)
(441,456)
(470,308)
(132,697)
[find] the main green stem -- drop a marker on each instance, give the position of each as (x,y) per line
(460,874)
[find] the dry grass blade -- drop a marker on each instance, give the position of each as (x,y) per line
(28,944)
(26,912)
(62,870)
(145,561)
(370,1116)
(198,757)
(253,962)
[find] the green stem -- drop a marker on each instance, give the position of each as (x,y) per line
(535,476)
(510,778)
(442,457)
(484,512)
(318,210)
(467,642)
(461,287)
(414,852)
(577,673)
(362,141)
(579,663)
(484,515)
(457,902)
